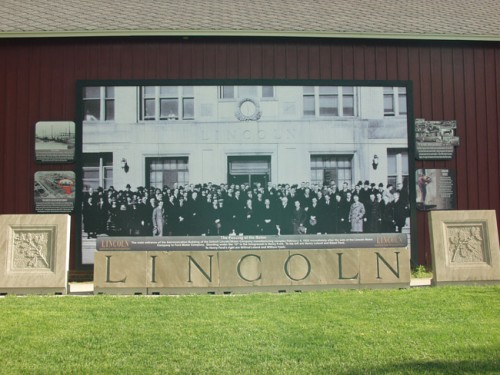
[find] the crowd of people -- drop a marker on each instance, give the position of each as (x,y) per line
(229,209)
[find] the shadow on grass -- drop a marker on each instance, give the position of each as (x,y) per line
(440,367)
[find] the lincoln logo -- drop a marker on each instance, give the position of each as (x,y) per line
(387,240)
(115,244)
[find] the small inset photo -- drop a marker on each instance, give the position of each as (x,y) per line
(54,191)
(55,141)
(435,189)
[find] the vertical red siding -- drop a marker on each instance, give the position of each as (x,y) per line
(325,63)
(491,117)
(451,81)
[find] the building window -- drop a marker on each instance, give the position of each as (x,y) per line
(329,101)
(97,170)
(165,171)
(348,101)
(328,168)
(309,101)
(99,103)
(395,101)
(241,92)
(167,103)
(328,98)
(397,166)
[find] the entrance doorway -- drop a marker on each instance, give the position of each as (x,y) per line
(249,169)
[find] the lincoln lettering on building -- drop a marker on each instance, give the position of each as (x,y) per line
(249,134)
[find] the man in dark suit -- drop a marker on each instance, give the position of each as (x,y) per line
(313,223)
(267,218)
(181,217)
(170,211)
(236,207)
(373,215)
(401,212)
(285,217)
(326,215)
(344,209)
(195,214)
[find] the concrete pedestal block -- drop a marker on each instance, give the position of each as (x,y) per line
(34,254)
(464,247)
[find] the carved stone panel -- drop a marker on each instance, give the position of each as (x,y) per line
(32,249)
(464,247)
(466,243)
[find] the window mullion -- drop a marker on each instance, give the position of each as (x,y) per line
(396,101)
(102,103)
(316,101)
(340,101)
(180,102)
(157,103)
(101,172)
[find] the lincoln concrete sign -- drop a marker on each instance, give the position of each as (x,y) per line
(121,270)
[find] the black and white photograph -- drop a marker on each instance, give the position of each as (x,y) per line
(435,140)
(243,160)
(55,141)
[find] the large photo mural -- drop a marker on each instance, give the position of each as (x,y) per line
(167,161)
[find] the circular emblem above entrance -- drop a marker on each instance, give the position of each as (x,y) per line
(248,110)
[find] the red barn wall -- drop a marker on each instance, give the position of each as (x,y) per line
(451,81)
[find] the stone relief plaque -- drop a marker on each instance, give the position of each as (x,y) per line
(32,249)
(464,246)
(466,243)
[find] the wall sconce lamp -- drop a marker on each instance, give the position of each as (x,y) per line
(125,166)
(375,162)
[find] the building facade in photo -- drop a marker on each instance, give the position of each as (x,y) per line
(157,136)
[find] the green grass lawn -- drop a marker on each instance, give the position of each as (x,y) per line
(452,330)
